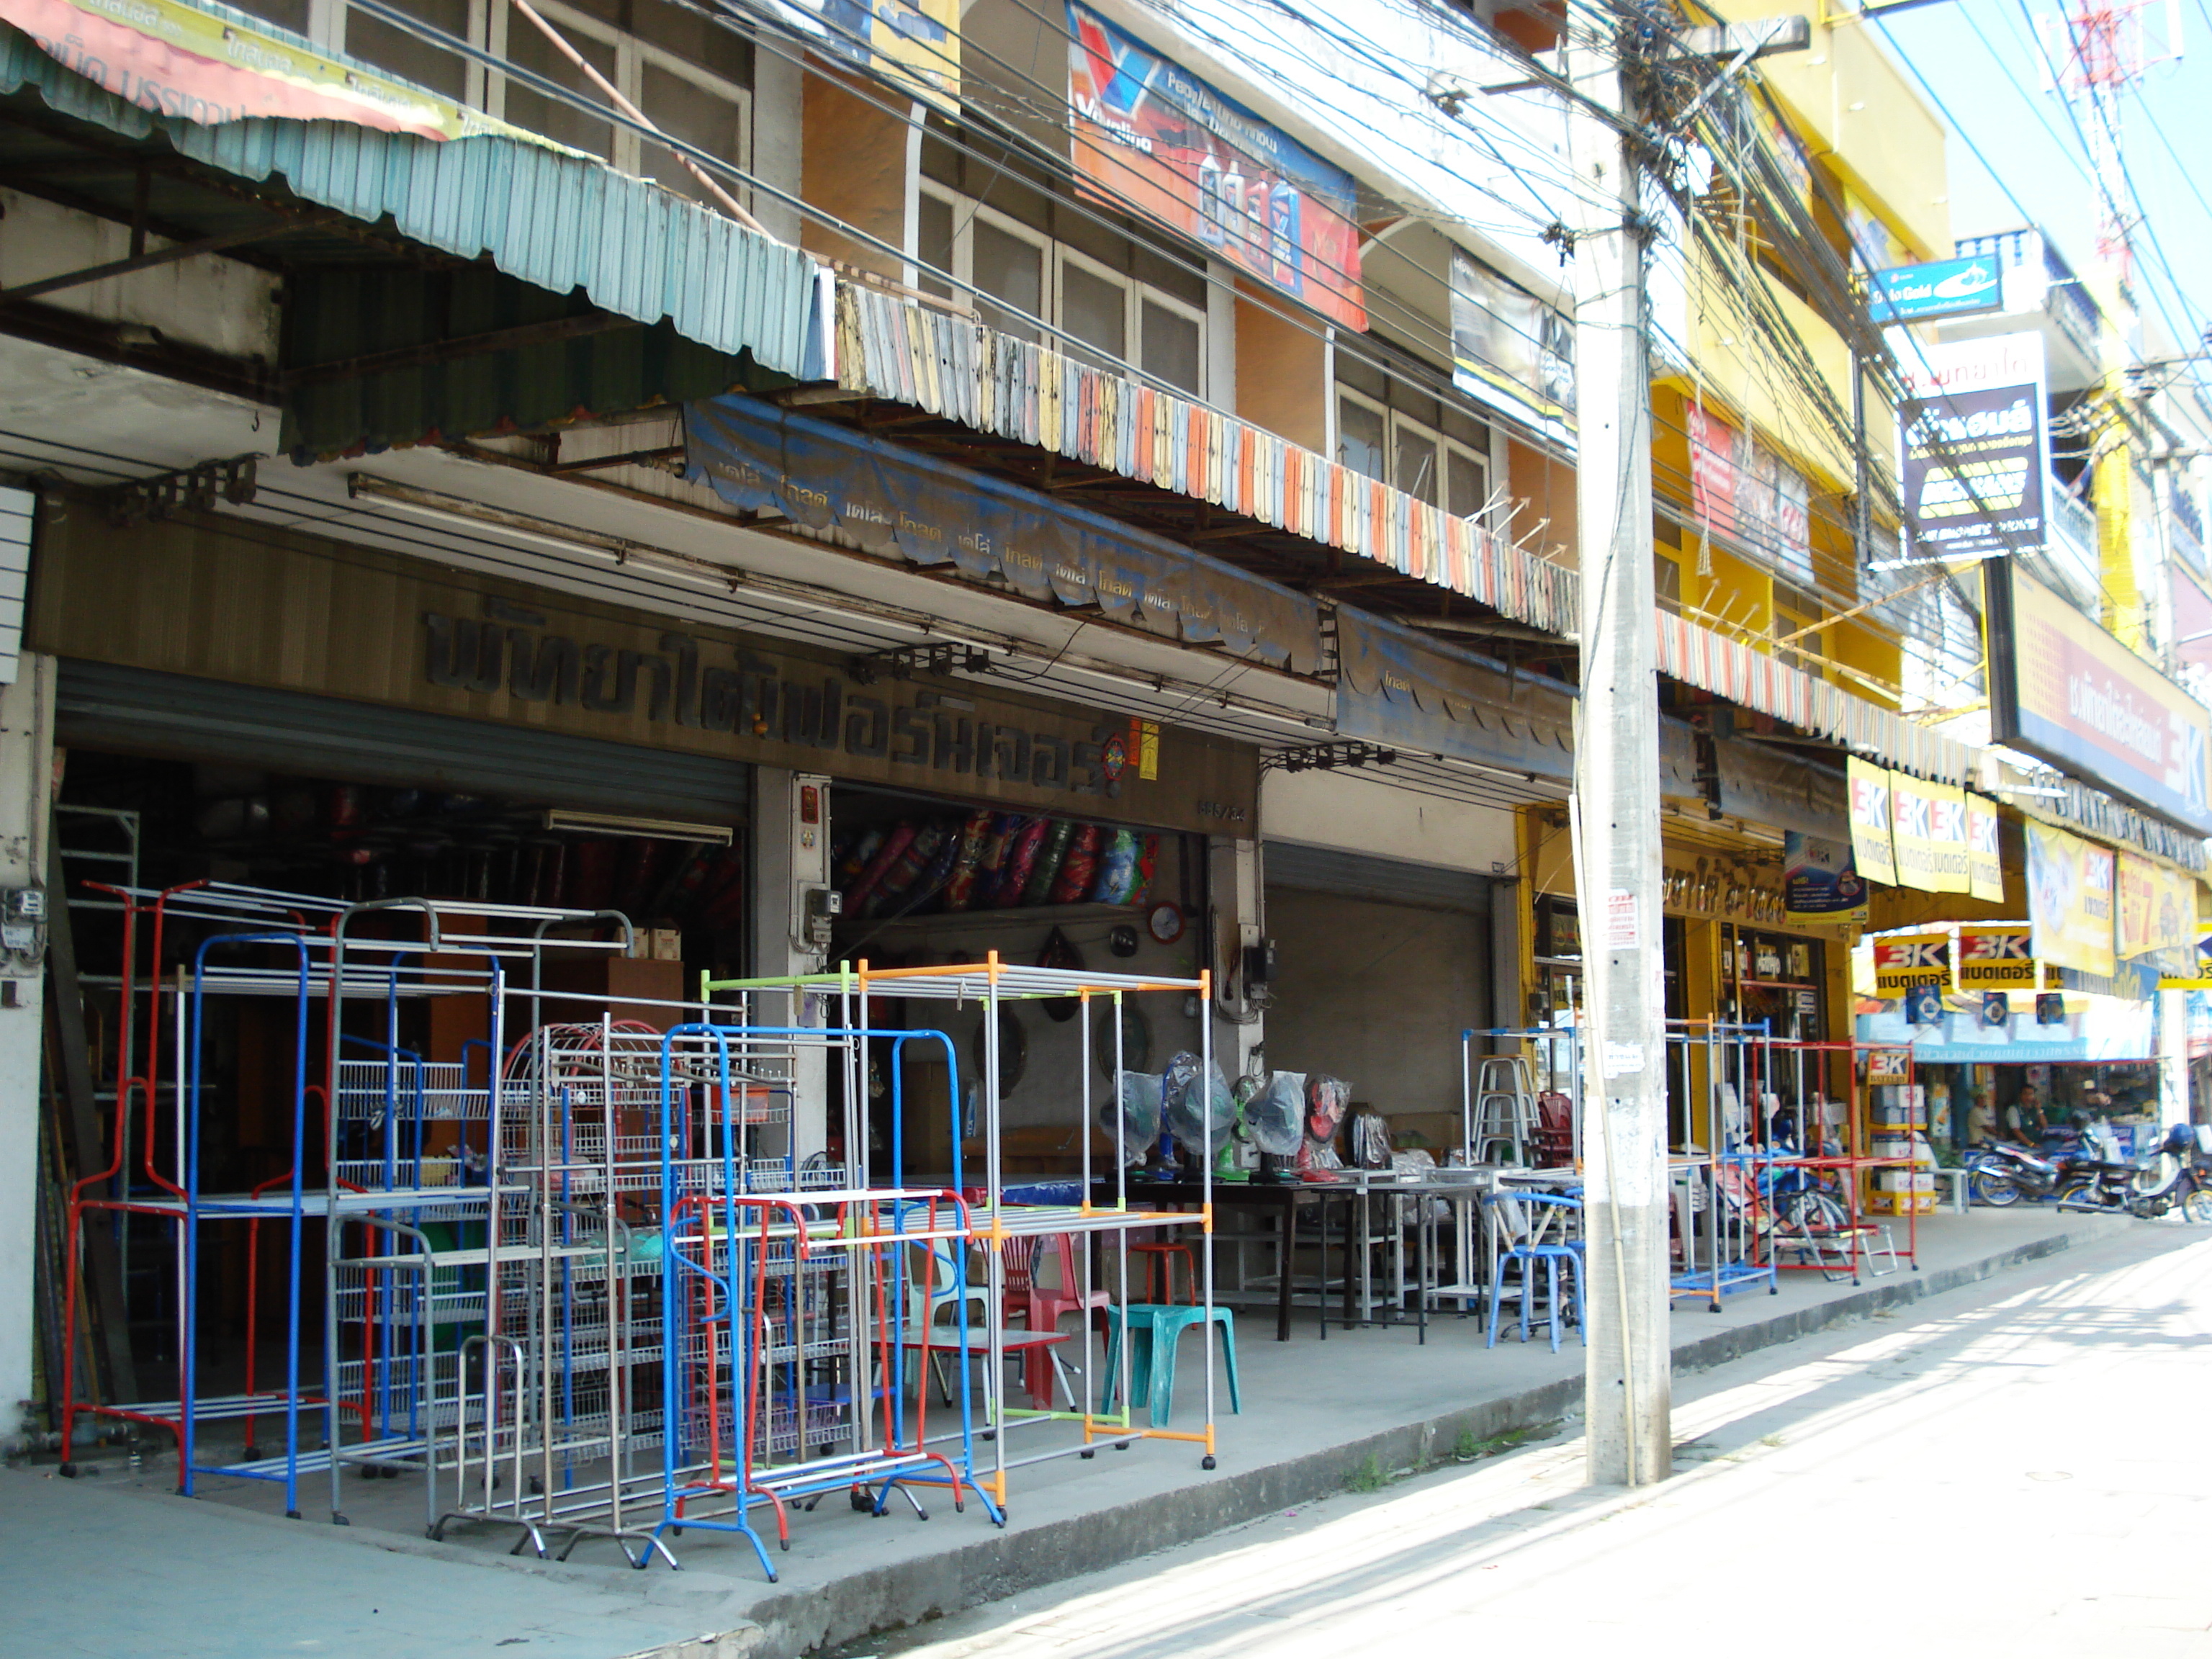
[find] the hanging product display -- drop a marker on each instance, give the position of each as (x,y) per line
(983,860)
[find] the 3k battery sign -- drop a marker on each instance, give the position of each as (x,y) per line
(1904,960)
(1996,959)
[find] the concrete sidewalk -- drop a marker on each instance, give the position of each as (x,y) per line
(2011,1468)
(1315,1414)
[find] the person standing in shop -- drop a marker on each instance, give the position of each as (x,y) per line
(1981,1120)
(2024,1119)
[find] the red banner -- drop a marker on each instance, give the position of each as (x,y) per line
(1152,137)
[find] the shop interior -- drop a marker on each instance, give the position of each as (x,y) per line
(145,824)
(923,881)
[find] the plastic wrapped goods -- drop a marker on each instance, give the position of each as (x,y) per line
(1021,859)
(968,858)
(1117,868)
(1076,869)
(1327,1097)
(1138,1122)
(991,868)
(1195,1100)
(894,842)
(916,857)
(1046,870)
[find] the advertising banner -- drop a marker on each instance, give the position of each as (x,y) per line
(1941,287)
(1152,137)
(177,59)
(1984,868)
(1947,835)
(1912,831)
(2063,689)
(1904,960)
(1511,351)
(1999,959)
(2069,899)
(1819,880)
(989,532)
(913,43)
(2157,909)
(1741,489)
(1866,807)
(1975,460)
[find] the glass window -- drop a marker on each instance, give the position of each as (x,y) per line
(709,42)
(285,14)
(1094,309)
(685,110)
(562,122)
(933,244)
(1360,437)
(1011,270)
(1414,470)
(1171,344)
(1468,478)
(400,53)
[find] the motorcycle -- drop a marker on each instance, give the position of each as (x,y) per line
(2138,1189)
(1999,1174)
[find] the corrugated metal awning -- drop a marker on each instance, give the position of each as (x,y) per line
(560,222)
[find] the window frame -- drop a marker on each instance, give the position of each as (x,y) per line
(1396,421)
(491,27)
(1054,258)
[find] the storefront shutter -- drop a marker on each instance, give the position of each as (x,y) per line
(133,711)
(1387,881)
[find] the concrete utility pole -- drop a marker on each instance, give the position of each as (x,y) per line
(1628,1380)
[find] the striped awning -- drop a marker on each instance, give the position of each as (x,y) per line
(955,367)
(1727,668)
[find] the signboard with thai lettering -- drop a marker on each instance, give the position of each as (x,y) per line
(1902,960)
(298,612)
(2063,689)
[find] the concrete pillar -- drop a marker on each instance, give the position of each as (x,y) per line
(778,83)
(1233,889)
(26,750)
(2173,1057)
(788,857)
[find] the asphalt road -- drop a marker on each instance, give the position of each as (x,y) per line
(2017,1468)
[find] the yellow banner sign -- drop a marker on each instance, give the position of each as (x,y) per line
(1985,869)
(1996,959)
(1911,808)
(1947,835)
(1867,795)
(1904,960)
(2157,906)
(2069,899)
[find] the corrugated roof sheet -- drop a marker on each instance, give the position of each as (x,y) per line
(559,221)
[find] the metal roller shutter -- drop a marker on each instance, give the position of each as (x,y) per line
(1387,881)
(134,711)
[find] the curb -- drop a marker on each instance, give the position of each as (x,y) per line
(1008,1564)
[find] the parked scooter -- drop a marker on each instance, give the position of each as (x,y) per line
(2139,1189)
(1999,1174)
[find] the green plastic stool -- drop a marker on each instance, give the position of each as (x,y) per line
(1151,1366)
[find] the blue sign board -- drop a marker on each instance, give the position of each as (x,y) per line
(1943,287)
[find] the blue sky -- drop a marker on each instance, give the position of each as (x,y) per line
(1984,60)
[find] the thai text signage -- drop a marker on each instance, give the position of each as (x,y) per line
(2062,688)
(1975,462)
(291,612)
(1996,959)
(1943,287)
(1904,960)
(1152,137)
